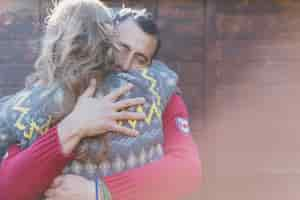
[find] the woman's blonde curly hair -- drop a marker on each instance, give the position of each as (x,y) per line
(77,45)
(77,41)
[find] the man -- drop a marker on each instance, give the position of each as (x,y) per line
(137,51)
(174,176)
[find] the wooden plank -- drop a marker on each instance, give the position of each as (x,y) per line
(211,55)
(280,26)
(256,7)
(258,73)
(247,6)
(14,74)
(259,50)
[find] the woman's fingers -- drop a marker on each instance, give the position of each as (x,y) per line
(57,181)
(114,95)
(124,130)
(126,115)
(55,193)
(50,193)
(129,102)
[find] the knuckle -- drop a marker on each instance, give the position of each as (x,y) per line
(123,104)
(128,103)
(109,126)
(125,113)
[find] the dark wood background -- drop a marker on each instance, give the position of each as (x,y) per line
(238,65)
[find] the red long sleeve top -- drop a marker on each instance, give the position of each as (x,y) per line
(25,175)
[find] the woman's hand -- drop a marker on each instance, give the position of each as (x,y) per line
(71,187)
(92,116)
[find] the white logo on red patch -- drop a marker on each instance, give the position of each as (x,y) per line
(5,156)
(183,125)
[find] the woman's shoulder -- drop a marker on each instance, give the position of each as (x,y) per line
(32,110)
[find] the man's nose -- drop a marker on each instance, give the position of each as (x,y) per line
(127,65)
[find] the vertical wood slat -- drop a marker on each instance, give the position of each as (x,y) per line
(19,43)
(211,55)
(256,140)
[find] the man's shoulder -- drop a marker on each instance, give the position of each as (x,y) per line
(176,104)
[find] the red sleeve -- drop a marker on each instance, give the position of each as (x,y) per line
(176,175)
(24,175)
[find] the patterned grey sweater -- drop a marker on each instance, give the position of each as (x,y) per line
(27,114)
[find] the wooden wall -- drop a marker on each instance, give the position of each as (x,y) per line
(251,145)
(239,71)
(19,43)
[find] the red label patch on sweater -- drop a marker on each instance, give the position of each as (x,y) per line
(5,156)
(183,125)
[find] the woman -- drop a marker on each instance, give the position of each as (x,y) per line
(76,47)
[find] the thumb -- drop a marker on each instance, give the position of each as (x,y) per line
(57,181)
(90,91)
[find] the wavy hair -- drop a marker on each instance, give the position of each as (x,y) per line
(77,43)
(77,40)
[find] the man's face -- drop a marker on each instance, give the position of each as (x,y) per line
(135,47)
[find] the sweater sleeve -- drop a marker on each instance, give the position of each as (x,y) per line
(176,175)
(25,175)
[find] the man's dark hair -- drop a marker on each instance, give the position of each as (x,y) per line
(143,19)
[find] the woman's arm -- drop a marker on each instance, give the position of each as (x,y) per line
(25,175)
(174,176)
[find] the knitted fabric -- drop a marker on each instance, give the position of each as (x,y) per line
(26,115)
